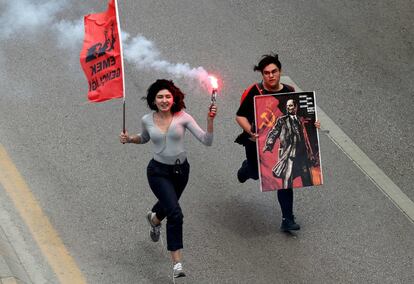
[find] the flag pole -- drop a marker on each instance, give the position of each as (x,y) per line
(122,65)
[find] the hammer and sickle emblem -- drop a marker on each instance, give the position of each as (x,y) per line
(266,121)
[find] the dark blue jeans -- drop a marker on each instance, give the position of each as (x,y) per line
(250,170)
(249,166)
(167,182)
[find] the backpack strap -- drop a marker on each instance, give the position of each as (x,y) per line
(247,91)
(259,88)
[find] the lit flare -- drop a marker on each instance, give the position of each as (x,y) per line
(214,86)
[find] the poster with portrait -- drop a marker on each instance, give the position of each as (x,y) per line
(288,143)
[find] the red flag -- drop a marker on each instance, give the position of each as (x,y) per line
(101,56)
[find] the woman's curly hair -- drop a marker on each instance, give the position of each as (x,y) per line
(163,84)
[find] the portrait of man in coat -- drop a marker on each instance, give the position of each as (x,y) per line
(295,155)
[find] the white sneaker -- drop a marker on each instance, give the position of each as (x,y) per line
(155,230)
(178,270)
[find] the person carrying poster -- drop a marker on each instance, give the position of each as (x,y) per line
(295,153)
(168,171)
(270,68)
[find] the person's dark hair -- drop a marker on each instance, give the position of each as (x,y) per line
(163,84)
(266,60)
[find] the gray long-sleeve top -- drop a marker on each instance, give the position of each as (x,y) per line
(169,146)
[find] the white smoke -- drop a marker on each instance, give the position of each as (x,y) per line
(144,55)
(21,16)
(69,34)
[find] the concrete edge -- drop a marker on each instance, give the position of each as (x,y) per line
(11,268)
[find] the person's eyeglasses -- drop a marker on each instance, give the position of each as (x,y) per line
(273,72)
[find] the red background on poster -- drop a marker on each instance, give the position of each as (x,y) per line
(267,112)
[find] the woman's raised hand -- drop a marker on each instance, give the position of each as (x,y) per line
(212,111)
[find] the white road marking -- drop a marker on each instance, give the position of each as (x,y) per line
(362,161)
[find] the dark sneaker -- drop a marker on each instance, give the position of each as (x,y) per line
(242,172)
(155,230)
(289,225)
(178,270)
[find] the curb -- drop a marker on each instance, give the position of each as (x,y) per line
(11,268)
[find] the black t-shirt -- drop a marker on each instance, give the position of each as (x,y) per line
(246,108)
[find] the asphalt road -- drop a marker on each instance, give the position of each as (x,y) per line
(357,55)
